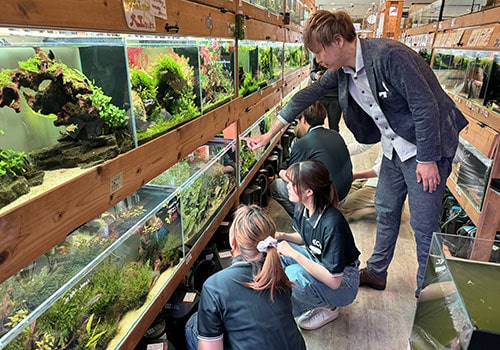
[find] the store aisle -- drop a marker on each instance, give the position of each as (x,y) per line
(377,319)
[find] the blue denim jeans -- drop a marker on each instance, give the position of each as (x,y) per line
(191,331)
(396,180)
(309,293)
(280,193)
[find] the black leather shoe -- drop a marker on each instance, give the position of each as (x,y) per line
(365,279)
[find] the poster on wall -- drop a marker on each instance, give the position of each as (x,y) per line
(139,15)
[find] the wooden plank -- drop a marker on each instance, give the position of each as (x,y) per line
(258,30)
(252,12)
(474,19)
(32,229)
(224,5)
(108,16)
(478,112)
(254,106)
(471,211)
(481,136)
(428,28)
(292,36)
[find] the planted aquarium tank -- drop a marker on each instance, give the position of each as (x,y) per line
(474,75)
(294,57)
(248,158)
(216,72)
(459,307)
(63,104)
(260,63)
(76,295)
(165,83)
(471,172)
(205,180)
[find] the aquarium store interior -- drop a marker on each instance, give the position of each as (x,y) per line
(123,158)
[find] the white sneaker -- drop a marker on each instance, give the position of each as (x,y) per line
(318,317)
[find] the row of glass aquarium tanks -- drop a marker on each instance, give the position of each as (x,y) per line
(75,295)
(69,99)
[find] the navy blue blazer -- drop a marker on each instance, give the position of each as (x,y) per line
(408,92)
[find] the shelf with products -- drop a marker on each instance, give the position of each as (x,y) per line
(122,260)
(466,60)
(40,222)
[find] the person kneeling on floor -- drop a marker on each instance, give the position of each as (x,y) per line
(247,305)
(320,257)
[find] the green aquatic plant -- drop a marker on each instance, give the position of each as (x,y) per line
(13,163)
(113,116)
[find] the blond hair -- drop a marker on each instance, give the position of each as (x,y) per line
(322,26)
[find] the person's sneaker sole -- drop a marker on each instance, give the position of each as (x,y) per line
(334,315)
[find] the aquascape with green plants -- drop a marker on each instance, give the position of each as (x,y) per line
(162,94)
(94,129)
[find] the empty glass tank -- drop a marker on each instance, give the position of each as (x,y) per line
(75,295)
(206,179)
(474,75)
(295,57)
(260,63)
(63,100)
(471,172)
(458,307)
(165,83)
(216,71)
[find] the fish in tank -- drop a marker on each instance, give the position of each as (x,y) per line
(62,105)
(259,65)
(216,72)
(165,84)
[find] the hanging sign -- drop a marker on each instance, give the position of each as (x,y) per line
(139,15)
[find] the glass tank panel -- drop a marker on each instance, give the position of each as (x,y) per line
(458,307)
(102,270)
(165,83)
(474,75)
(248,158)
(62,104)
(260,63)
(273,6)
(295,57)
(216,72)
(471,172)
(206,179)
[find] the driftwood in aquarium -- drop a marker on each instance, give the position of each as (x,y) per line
(55,90)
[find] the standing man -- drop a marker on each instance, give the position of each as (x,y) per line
(388,93)
(317,143)
(330,100)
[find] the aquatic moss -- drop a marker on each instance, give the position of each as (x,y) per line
(32,64)
(5,77)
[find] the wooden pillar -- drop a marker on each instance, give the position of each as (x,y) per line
(391,13)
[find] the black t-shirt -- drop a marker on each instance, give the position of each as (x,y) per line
(329,147)
(245,318)
(328,237)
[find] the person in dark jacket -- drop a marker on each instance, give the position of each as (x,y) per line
(387,93)
(321,144)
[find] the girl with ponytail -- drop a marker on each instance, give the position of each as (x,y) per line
(320,257)
(247,305)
